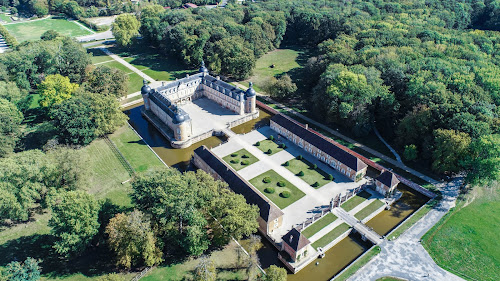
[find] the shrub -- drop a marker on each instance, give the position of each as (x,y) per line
(285,194)
(257,143)
(314,166)
(282,145)
(235,161)
(286,164)
(269,151)
(271,137)
(266,180)
(330,177)
(9,39)
(234,154)
(244,162)
(245,156)
(269,190)
(316,184)
(281,183)
(300,157)
(301,174)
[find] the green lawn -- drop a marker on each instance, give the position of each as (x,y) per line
(465,241)
(5,17)
(159,67)
(355,201)
(32,30)
(134,83)
(281,202)
(311,176)
(265,145)
(115,64)
(330,236)
(358,264)
(135,150)
(98,56)
(319,225)
(368,210)
(237,158)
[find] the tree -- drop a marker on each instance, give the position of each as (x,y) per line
(282,87)
(125,28)
(449,150)
(10,126)
(111,277)
(74,221)
(483,161)
(106,112)
(132,240)
(72,169)
(55,89)
(49,35)
(26,271)
(107,81)
(205,270)
(275,273)
(40,7)
(73,119)
(410,152)
(10,92)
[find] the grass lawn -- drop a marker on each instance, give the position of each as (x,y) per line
(355,201)
(115,64)
(359,264)
(135,150)
(465,241)
(295,193)
(238,158)
(32,30)
(5,17)
(134,83)
(158,67)
(265,145)
(319,225)
(330,236)
(368,210)
(311,176)
(99,56)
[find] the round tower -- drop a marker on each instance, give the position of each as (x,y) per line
(250,97)
(145,91)
(203,69)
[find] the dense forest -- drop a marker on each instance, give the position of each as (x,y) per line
(426,72)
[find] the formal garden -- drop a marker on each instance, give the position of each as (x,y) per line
(356,200)
(269,146)
(319,225)
(32,30)
(308,172)
(277,189)
(240,159)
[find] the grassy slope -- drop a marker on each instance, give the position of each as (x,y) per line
(466,240)
(33,30)
(239,157)
(281,202)
(319,224)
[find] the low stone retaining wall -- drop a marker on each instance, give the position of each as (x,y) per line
(372,215)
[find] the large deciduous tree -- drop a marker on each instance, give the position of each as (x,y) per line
(74,221)
(205,270)
(483,161)
(10,126)
(449,150)
(106,112)
(281,88)
(73,119)
(275,273)
(125,28)
(107,81)
(55,89)
(132,240)
(29,270)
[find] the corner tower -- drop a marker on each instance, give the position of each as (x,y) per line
(145,91)
(250,97)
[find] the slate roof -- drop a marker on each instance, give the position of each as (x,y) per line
(268,211)
(321,143)
(177,114)
(295,239)
(388,178)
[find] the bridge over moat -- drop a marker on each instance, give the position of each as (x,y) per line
(364,230)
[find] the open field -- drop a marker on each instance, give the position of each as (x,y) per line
(32,30)
(355,201)
(311,176)
(135,150)
(240,159)
(366,211)
(265,145)
(276,197)
(319,225)
(330,236)
(465,241)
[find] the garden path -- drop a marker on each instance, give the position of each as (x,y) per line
(126,64)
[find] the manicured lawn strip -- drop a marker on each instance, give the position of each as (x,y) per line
(158,67)
(355,201)
(135,150)
(281,202)
(359,264)
(311,175)
(134,83)
(131,99)
(115,64)
(99,56)
(366,211)
(330,236)
(265,145)
(32,30)
(319,225)
(239,158)
(465,241)
(412,220)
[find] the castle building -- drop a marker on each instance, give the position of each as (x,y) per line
(386,182)
(326,151)
(163,106)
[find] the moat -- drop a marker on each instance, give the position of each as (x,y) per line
(336,258)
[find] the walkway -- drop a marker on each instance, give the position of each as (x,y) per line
(358,226)
(126,64)
(387,144)
(96,36)
(405,257)
(355,143)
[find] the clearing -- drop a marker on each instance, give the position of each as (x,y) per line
(32,30)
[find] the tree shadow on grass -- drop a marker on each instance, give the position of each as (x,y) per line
(39,136)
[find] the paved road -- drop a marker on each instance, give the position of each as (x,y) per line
(96,36)
(355,143)
(405,257)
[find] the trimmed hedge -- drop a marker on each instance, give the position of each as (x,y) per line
(244,162)
(235,161)
(301,174)
(281,183)
(9,39)
(269,190)
(245,156)
(257,143)
(300,157)
(316,184)
(266,180)
(269,151)
(286,164)
(314,166)
(285,194)
(271,137)
(234,154)
(330,177)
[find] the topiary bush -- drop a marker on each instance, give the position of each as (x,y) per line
(282,146)
(257,143)
(245,156)
(234,154)
(269,190)
(330,177)
(235,161)
(286,164)
(281,183)
(266,180)
(300,174)
(269,151)
(271,137)
(316,184)
(300,157)
(314,166)
(285,194)
(244,162)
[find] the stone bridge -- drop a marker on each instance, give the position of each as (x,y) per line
(364,230)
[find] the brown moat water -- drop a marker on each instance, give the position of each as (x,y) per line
(338,257)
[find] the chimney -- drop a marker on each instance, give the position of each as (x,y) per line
(291,238)
(307,126)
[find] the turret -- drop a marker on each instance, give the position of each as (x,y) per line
(145,91)
(250,99)
(203,69)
